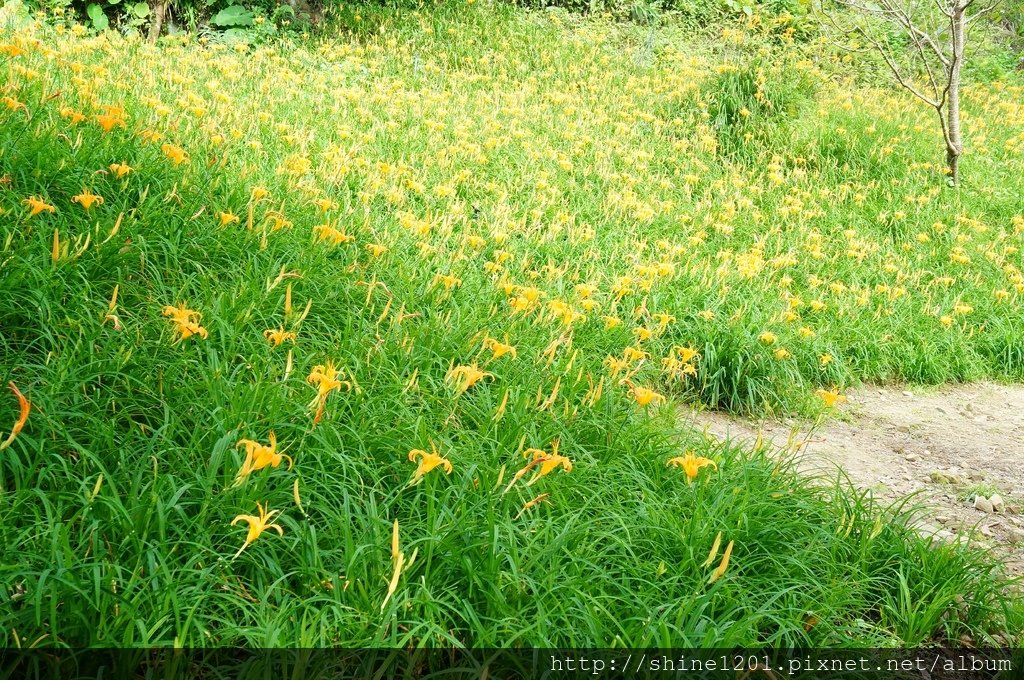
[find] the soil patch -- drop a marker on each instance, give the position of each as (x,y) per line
(961,449)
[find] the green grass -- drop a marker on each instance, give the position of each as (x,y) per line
(427,130)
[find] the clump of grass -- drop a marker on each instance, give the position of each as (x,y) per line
(397,258)
(752,100)
(972,491)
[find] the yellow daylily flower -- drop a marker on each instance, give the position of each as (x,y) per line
(520,304)
(687,354)
(643,333)
(664,319)
(616,365)
(427,462)
(257,525)
(691,464)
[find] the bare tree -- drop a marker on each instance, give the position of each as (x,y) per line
(929,62)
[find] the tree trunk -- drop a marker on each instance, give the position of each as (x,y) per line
(158,10)
(954,141)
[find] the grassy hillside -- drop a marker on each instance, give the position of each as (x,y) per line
(428,293)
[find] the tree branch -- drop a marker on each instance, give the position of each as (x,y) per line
(984,10)
(937,104)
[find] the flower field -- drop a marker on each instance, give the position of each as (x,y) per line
(379,339)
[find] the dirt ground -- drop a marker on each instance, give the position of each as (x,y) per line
(951,444)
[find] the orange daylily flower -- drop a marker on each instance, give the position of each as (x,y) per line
(120,169)
(13,104)
(257,525)
(545,462)
(37,205)
(830,397)
(186,322)
(259,456)
(692,464)
(326,232)
(464,377)
(644,395)
(24,406)
(11,50)
(398,558)
(73,117)
(325,378)
(427,462)
(227,218)
(499,349)
(720,569)
(531,503)
(87,199)
(277,336)
(175,153)
(108,121)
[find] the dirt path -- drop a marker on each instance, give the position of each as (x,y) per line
(952,444)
